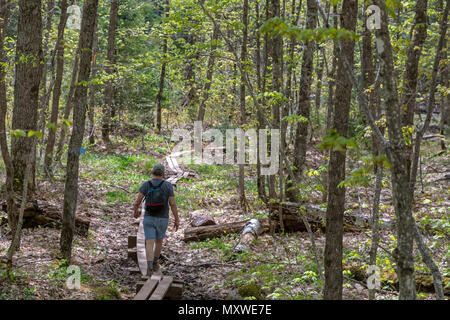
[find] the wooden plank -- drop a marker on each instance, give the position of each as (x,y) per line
(134,271)
(175,291)
(147,289)
(140,245)
(132,241)
(132,255)
(139,285)
(162,288)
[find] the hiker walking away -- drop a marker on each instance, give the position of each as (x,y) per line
(158,195)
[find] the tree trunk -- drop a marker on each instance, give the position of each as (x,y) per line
(110,61)
(27,82)
(162,76)
(51,139)
(79,119)
(93,87)
(12,212)
(419,34)
(277,83)
(259,114)
(68,108)
(209,75)
(336,195)
(398,157)
(242,199)
(300,145)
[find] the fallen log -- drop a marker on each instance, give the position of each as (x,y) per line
(252,230)
(316,217)
(40,214)
(215,231)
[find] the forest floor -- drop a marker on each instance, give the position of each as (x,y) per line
(279,266)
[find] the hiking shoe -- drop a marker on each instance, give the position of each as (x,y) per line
(156,268)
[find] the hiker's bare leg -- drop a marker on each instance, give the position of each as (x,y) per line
(149,245)
(158,247)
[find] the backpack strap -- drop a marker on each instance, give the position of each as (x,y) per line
(159,186)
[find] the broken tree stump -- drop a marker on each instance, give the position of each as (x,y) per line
(252,230)
(200,218)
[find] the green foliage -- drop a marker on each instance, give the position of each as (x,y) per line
(109,292)
(334,141)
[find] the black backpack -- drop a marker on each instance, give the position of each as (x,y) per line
(155,200)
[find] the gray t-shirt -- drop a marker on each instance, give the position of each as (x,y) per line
(166,188)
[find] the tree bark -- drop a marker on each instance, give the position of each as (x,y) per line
(418,34)
(242,199)
(28,77)
(162,76)
(71,185)
(51,139)
(336,195)
(12,212)
(68,108)
(109,90)
(306,76)
(398,156)
(209,75)
(93,87)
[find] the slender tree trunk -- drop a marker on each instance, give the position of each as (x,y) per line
(332,77)
(277,83)
(300,144)
(51,139)
(426,256)
(93,87)
(191,100)
(46,90)
(209,75)
(79,119)
(162,77)
(290,98)
(15,242)
(418,34)
(368,72)
(12,210)
(318,94)
(68,108)
(336,195)
(445,98)
(259,114)
(242,199)
(398,158)
(109,90)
